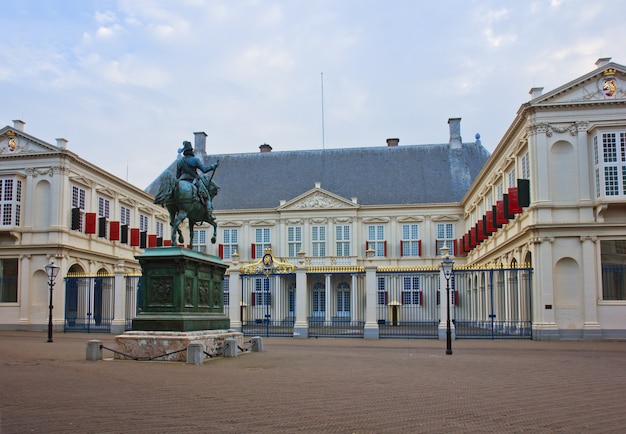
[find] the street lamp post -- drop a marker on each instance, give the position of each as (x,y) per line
(52,271)
(446,266)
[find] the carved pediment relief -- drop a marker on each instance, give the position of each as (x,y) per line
(15,143)
(445,218)
(410,219)
(106,191)
(262,223)
(607,84)
(231,224)
(376,220)
(318,199)
(79,179)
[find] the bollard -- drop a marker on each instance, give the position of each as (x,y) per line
(256,343)
(94,350)
(230,348)
(195,353)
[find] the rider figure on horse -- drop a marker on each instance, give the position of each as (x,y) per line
(187,170)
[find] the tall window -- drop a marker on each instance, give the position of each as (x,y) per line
(11,201)
(609,154)
(294,240)
(103,207)
(318,240)
(411,290)
(525,166)
(613,257)
(199,240)
(159,229)
(8,280)
(124,215)
(78,202)
(342,240)
(261,291)
(381,287)
(231,238)
(143,223)
(319,300)
(445,236)
(261,241)
(343,300)
(410,240)
(512,181)
(376,240)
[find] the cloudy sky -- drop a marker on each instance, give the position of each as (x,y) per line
(127,81)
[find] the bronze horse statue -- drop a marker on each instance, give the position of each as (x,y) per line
(182,200)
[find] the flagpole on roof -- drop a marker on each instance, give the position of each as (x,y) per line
(323,138)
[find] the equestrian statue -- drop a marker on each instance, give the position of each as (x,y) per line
(189,195)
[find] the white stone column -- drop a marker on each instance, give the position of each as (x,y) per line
(371,291)
(118,325)
(544,325)
(591,327)
(353,299)
(301,325)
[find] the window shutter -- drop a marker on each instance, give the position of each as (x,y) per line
(494,217)
(114,231)
(501,218)
(134,237)
(421,298)
(159,241)
(90,223)
(220,250)
(253,254)
(152,240)
(454,248)
(523,193)
(455,297)
(143,239)
(438,297)
(102,227)
(167,243)
(514,207)
(75,219)
(401,248)
(419,247)
(124,234)
(254,299)
(386,298)
(367,245)
(384,248)
(505,200)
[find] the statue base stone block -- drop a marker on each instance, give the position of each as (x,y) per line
(181,290)
(172,346)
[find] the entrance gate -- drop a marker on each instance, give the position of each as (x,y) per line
(89,303)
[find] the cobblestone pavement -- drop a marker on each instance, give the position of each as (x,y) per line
(316,385)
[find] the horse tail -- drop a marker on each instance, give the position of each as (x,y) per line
(166,187)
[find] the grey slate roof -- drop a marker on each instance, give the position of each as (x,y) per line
(404,174)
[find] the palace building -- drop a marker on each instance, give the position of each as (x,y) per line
(349,242)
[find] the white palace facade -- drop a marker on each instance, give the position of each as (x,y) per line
(348,242)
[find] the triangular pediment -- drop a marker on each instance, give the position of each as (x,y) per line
(607,83)
(14,142)
(318,198)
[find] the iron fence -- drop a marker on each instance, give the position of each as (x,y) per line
(89,303)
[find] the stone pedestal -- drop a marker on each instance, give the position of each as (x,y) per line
(173,346)
(181,291)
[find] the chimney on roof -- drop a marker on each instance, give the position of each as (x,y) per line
(455,133)
(199,147)
(19,125)
(62,143)
(602,61)
(535,92)
(265,148)
(392,142)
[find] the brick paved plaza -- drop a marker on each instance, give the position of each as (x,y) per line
(316,385)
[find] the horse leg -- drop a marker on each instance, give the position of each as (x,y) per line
(182,215)
(214,237)
(191,225)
